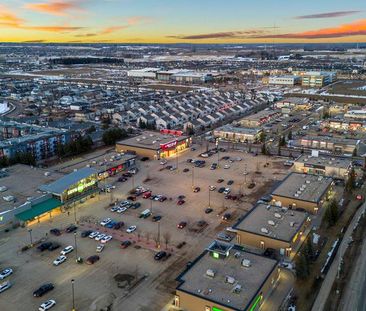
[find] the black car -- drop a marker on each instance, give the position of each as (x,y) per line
(86,233)
(71,228)
(92,259)
(189,160)
(220,180)
(143,159)
(54,246)
(118,225)
(208,210)
(160,255)
(186,170)
(55,231)
(126,244)
(44,246)
(122,179)
(156,218)
(226,216)
(45,288)
(230,182)
(221,190)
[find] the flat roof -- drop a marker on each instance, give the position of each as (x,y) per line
(282,224)
(195,281)
(63,183)
(150,140)
(239,130)
(338,162)
(22,182)
(335,140)
(97,160)
(303,187)
(259,115)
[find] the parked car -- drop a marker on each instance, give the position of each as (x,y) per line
(226,216)
(136,205)
(162,198)
(99,236)
(94,234)
(106,239)
(147,195)
(143,159)
(71,228)
(47,305)
(201,223)
(42,247)
(226,166)
(105,221)
(211,188)
(182,224)
(100,248)
(59,260)
(185,170)
(92,259)
(221,190)
(54,246)
(45,288)
(118,225)
(196,189)
(230,182)
(55,231)
(181,202)
(163,162)
(156,218)
(5,273)
(4,286)
(208,210)
(227,191)
(160,255)
(126,244)
(131,229)
(220,180)
(86,233)
(67,250)
(122,179)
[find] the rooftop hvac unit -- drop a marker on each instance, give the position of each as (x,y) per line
(277,215)
(151,135)
(308,181)
(9,198)
(210,273)
(154,141)
(292,223)
(138,139)
(237,289)
(47,173)
(271,222)
(296,195)
(268,207)
(246,263)
(229,279)
(264,230)
(298,192)
(237,255)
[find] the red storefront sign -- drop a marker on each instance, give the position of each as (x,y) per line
(169,145)
(171,132)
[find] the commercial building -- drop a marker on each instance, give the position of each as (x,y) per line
(155,145)
(333,144)
(336,167)
(74,186)
(184,75)
(318,78)
(356,114)
(21,199)
(40,141)
(237,134)
(294,103)
(144,73)
(226,278)
(284,80)
(345,124)
(258,119)
(269,226)
(303,191)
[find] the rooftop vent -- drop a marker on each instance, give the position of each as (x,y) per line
(271,222)
(296,195)
(264,230)
(292,224)
(237,289)
(230,279)
(246,263)
(277,215)
(210,273)
(237,255)
(308,181)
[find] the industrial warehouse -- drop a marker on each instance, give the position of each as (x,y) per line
(155,145)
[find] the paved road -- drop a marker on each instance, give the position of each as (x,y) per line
(354,297)
(332,273)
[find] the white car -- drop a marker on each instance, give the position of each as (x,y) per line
(47,305)
(121,210)
(227,191)
(100,248)
(99,236)
(4,286)
(212,188)
(105,222)
(124,203)
(5,273)
(59,260)
(114,209)
(66,250)
(94,234)
(131,229)
(106,239)
(226,166)
(163,162)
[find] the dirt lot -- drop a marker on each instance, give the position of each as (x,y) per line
(95,285)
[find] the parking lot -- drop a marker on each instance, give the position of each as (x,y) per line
(95,285)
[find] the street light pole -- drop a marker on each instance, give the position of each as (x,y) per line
(151,206)
(218,152)
(30,235)
(158,234)
(76,247)
(209,197)
(192,176)
(75,212)
(73,295)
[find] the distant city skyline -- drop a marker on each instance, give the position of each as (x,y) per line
(173,21)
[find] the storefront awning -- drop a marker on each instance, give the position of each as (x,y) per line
(39,209)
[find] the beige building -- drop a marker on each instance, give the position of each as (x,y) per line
(336,167)
(303,191)
(269,226)
(258,119)
(154,145)
(237,134)
(226,278)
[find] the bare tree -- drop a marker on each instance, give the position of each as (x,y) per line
(166,237)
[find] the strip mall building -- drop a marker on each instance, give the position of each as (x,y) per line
(155,145)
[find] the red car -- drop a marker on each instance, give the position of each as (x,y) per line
(182,224)
(147,195)
(126,244)
(180,202)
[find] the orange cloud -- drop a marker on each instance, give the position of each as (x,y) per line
(54,7)
(54,28)
(8,18)
(345,30)
(131,21)
(112,29)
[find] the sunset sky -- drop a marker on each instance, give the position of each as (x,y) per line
(179,21)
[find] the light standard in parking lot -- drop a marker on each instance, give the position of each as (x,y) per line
(30,236)
(158,234)
(76,247)
(151,206)
(209,197)
(193,176)
(73,295)
(218,152)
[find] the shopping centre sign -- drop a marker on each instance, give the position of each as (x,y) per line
(169,145)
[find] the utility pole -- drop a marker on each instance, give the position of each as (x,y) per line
(73,295)
(209,197)
(76,247)
(30,236)
(159,234)
(192,176)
